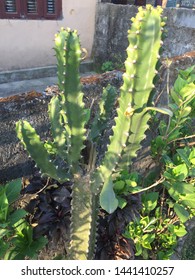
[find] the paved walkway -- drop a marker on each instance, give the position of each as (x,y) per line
(39,85)
(25,80)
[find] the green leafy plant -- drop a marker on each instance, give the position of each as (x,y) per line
(16,234)
(61,159)
(155,234)
(116,62)
(182,104)
(107,66)
(125,184)
(166,210)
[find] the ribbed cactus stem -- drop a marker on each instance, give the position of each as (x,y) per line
(81,218)
(142,63)
(68,53)
(132,116)
(31,140)
(59,133)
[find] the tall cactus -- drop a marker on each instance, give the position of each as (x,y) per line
(68,119)
(135,96)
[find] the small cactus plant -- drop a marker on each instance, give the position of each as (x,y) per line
(62,158)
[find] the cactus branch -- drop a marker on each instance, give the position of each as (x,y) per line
(135,95)
(27,134)
(58,130)
(68,53)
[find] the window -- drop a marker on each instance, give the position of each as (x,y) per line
(30,9)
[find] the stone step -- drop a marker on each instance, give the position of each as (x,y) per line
(39,72)
(38,85)
(36,79)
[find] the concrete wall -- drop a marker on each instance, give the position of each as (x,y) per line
(28,43)
(113,21)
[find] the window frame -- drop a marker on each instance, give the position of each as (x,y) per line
(4,14)
(38,15)
(58,10)
(22,11)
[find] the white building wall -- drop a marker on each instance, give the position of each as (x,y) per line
(29,43)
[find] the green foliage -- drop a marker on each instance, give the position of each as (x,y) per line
(141,231)
(61,158)
(16,235)
(107,66)
(166,210)
(125,184)
(182,105)
(116,62)
(154,235)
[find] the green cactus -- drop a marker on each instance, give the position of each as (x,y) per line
(93,186)
(68,53)
(135,96)
(27,134)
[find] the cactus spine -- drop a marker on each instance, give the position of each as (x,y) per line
(68,118)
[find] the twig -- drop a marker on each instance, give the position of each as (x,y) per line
(151,186)
(188,144)
(171,222)
(182,138)
(162,202)
(46,185)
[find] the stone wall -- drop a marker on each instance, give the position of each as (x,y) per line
(113,21)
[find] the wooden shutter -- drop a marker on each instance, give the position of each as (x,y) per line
(10,8)
(52,9)
(140,3)
(42,9)
(32,6)
(31,9)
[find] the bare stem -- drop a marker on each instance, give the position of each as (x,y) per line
(151,186)
(182,138)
